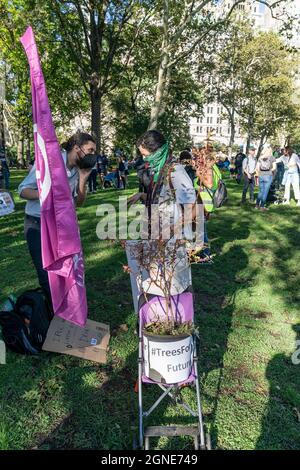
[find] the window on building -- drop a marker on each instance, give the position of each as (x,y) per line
(220,130)
(201,130)
(211,120)
(207,109)
(207,119)
(218,110)
(217,130)
(197,129)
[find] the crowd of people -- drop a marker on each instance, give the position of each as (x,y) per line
(107,174)
(271,171)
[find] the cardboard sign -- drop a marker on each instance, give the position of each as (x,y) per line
(6,204)
(88,343)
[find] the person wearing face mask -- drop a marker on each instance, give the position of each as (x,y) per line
(79,156)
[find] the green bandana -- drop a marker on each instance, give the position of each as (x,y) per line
(157,160)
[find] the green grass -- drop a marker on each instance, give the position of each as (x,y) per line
(247,310)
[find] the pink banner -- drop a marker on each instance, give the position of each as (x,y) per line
(61,246)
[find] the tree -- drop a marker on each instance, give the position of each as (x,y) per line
(184,26)
(66,97)
(93,33)
(265,86)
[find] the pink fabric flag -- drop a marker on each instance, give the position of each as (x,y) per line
(61,246)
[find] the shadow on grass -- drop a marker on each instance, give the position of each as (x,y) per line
(86,405)
(280,425)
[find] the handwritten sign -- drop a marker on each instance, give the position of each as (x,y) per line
(89,342)
(6,203)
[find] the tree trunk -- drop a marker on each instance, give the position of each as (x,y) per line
(160,93)
(2,128)
(27,144)
(20,153)
(232,133)
(261,144)
(249,137)
(158,107)
(95,96)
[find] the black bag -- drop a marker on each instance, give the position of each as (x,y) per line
(24,329)
(220,194)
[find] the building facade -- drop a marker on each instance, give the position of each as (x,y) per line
(214,115)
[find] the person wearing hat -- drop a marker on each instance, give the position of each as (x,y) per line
(249,167)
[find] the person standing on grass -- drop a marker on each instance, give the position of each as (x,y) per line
(126,171)
(205,184)
(291,164)
(240,156)
(76,148)
(185,159)
(102,164)
(280,168)
(265,170)
(168,188)
(121,174)
(232,168)
(5,169)
(93,180)
(249,168)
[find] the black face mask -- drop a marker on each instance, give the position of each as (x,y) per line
(87,162)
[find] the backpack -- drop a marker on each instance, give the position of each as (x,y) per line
(24,328)
(265,164)
(220,195)
(239,159)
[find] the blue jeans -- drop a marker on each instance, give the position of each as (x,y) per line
(264,186)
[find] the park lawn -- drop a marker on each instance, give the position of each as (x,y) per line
(247,310)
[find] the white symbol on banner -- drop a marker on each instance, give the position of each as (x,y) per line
(46,183)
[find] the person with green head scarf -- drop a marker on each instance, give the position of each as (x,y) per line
(154,149)
(168,190)
(157,160)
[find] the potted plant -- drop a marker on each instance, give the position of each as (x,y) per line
(166,316)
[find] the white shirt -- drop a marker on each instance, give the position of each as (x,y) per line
(33,207)
(291,164)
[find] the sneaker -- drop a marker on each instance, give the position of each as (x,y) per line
(264,209)
(256,207)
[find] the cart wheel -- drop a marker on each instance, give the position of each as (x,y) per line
(135,444)
(208,441)
(147,443)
